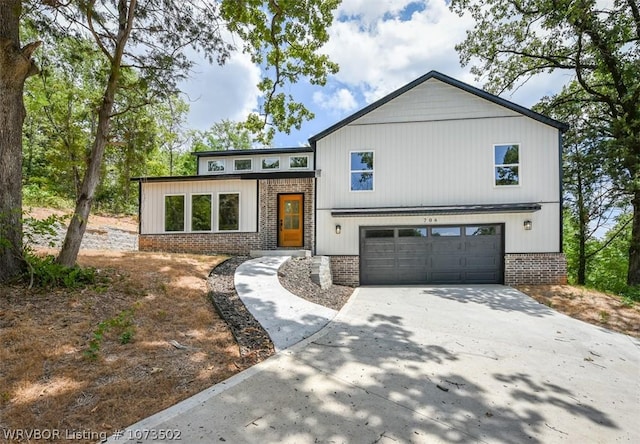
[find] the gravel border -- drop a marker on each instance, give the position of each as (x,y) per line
(294,275)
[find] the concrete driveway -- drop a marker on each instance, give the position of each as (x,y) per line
(425,365)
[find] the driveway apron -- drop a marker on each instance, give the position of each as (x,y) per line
(424,365)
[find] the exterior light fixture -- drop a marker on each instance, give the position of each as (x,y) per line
(338,229)
(528,224)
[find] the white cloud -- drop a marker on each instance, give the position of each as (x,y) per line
(380,47)
(217,92)
(341,100)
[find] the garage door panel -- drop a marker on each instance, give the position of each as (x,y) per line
(438,255)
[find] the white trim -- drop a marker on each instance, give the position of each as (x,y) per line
(190,219)
(216,161)
(373,169)
(243,158)
(164,213)
(495,165)
(299,168)
(217,219)
(262,159)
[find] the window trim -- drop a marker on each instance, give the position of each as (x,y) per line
(299,156)
(496,165)
(217,220)
(220,162)
(262,159)
(372,171)
(244,158)
(191,230)
(164,213)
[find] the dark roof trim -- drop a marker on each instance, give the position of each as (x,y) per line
(450,81)
(254,152)
(245,176)
(438,210)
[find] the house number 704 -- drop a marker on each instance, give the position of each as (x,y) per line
(430,219)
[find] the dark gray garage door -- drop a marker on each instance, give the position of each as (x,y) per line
(431,255)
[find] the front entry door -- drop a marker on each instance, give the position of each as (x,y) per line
(290,220)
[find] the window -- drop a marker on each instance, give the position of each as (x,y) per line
(242,165)
(174,213)
(362,171)
(378,233)
(270,163)
(298,162)
(445,231)
(229,212)
(506,164)
(215,165)
(412,232)
(201,212)
(480,231)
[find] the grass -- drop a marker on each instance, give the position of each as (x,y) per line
(99,358)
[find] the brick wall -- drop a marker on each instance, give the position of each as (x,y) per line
(203,243)
(535,269)
(268,220)
(345,270)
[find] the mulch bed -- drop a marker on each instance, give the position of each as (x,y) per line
(254,342)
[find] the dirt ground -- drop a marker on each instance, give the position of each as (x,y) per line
(589,306)
(178,345)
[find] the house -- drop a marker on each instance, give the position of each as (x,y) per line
(437,183)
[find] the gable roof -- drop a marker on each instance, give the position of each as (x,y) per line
(452,82)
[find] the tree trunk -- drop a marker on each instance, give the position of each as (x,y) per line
(15,66)
(78,225)
(633,273)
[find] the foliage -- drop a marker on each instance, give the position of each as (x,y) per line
(46,273)
(122,324)
(607,259)
(35,195)
(599,43)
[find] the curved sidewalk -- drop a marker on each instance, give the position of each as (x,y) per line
(287,318)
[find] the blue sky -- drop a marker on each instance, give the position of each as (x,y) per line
(380,45)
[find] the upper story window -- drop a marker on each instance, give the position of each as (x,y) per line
(270,163)
(298,162)
(215,165)
(361,170)
(506,164)
(243,164)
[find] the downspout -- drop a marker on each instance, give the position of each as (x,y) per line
(561,189)
(315,200)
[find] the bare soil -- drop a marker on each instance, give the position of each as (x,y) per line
(589,306)
(180,345)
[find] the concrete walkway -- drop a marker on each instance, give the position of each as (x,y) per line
(287,318)
(473,364)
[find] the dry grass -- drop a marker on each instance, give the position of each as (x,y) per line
(589,306)
(47,382)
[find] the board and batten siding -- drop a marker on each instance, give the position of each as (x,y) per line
(517,239)
(439,163)
(434,100)
(152,204)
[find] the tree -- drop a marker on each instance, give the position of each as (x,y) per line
(599,44)
(151,37)
(16,66)
(590,196)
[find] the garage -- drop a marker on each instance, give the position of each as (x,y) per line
(460,254)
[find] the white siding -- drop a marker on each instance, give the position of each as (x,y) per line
(434,146)
(434,100)
(257,162)
(542,238)
(152,204)
(439,163)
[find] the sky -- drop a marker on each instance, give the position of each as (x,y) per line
(380,46)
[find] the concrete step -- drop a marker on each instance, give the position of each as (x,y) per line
(280,252)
